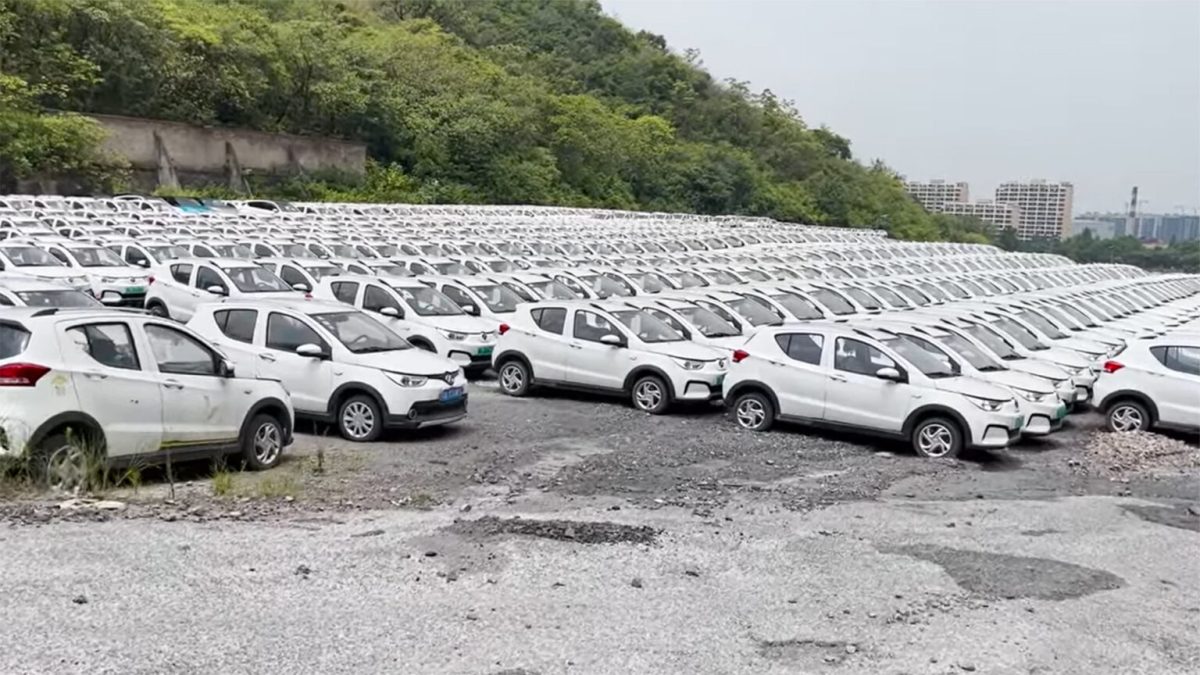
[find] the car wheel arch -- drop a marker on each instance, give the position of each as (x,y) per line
(1130,395)
(64,421)
(934,410)
(644,370)
(273,407)
(752,386)
(505,357)
(345,391)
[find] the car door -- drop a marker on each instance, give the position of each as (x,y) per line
(551,346)
(308,379)
(115,385)
(855,396)
(802,381)
(1175,386)
(590,362)
(198,401)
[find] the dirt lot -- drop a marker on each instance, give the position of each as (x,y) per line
(571,535)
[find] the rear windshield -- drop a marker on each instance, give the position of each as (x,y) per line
(13,340)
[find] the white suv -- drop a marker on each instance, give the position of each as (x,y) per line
(606,347)
(1153,383)
(837,376)
(192,281)
(340,364)
(133,387)
(114,282)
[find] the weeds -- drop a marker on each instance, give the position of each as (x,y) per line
(222,482)
(277,486)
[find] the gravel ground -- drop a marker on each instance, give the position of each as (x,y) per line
(563,534)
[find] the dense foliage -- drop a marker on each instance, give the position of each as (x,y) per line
(1086,248)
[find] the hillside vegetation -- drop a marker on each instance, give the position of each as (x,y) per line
(504,101)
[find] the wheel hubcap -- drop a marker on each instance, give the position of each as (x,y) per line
(648,395)
(1126,418)
(66,469)
(935,440)
(358,419)
(512,379)
(751,414)
(267,443)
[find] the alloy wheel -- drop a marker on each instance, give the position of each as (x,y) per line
(1126,418)
(267,444)
(512,378)
(358,420)
(751,414)
(935,440)
(66,468)
(648,395)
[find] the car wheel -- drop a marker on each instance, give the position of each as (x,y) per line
(937,437)
(753,411)
(514,378)
(158,309)
(65,463)
(359,419)
(650,394)
(1127,416)
(262,443)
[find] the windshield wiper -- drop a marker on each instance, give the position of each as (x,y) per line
(376,350)
(991,369)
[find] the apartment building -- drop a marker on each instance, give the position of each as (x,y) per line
(1045,208)
(934,194)
(995,214)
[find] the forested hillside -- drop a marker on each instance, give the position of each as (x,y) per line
(506,101)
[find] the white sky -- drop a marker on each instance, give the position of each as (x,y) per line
(1104,94)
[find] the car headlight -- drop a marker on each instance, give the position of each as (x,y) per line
(688,364)
(453,336)
(985,404)
(1062,384)
(1032,396)
(407,380)
(109,280)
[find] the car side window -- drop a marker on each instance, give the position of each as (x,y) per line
(669,320)
(135,257)
(1180,359)
(592,327)
(803,347)
(60,255)
(286,333)
(291,276)
(178,353)
(459,297)
(109,344)
(854,356)
(206,277)
(237,324)
(345,291)
(5,301)
(550,319)
(375,299)
(182,273)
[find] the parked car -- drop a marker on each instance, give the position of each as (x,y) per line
(341,365)
(21,291)
(1153,384)
(193,281)
(84,384)
(114,282)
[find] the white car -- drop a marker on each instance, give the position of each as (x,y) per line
(420,314)
(479,296)
(1152,384)
(605,347)
(24,258)
(339,364)
(17,291)
(302,274)
(114,282)
(836,376)
(190,282)
(147,254)
(700,325)
(130,387)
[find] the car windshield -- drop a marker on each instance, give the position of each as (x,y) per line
(836,303)
(914,295)
(426,301)
(651,283)
(1078,315)
(722,277)
(924,356)
(1020,333)
(954,289)
(646,327)
(936,292)
(525,295)
(1041,323)
(707,322)
(691,280)
(345,251)
(502,266)
(892,297)
(233,251)
(56,298)
(256,280)
(973,355)
(28,256)
(756,311)
(96,257)
(554,290)
(360,333)
(864,298)
(973,287)
(993,341)
(755,275)
(452,268)
(167,252)
(297,251)
(1061,317)
(498,297)
(391,270)
(387,250)
(1005,284)
(319,272)
(604,286)
(800,307)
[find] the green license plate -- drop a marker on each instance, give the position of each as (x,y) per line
(1061,412)
(134,290)
(483,351)
(1020,421)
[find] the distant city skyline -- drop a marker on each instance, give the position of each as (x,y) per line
(1104,95)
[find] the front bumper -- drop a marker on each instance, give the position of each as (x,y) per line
(429,414)
(700,386)
(1044,418)
(471,355)
(998,430)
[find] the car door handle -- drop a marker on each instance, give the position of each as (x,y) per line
(172,384)
(97,376)
(837,378)
(267,357)
(576,347)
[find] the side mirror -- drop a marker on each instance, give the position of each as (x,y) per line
(226,369)
(891,374)
(612,340)
(142,262)
(471,309)
(310,350)
(216,290)
(301,287)
(391,311)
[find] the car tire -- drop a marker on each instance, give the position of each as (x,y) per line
(1126,416)
(360,419)
(753,411)
(158,309)
(650,394)
(67,464)
(936,437)
(514,378)
(262,443)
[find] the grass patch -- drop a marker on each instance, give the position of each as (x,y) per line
(222,482)
(277,486)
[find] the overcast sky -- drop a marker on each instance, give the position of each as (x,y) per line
(1105,95)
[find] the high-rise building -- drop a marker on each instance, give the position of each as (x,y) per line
(934,194)
(990,212)
(1177,228)
(1045,207)
(1099,227)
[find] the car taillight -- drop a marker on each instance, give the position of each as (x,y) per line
(740,355)
(21,374)
(503,328)
(1112,366)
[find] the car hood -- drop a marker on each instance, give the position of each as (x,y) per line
(684,350)
(1088,348)
(410,361)
(731,342)
(1019,380)
(970,386)
(139,272)
(460,323)
(1040,368)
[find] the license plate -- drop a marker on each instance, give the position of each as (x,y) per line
(1061,412)
(450,395)
(134,290)
(483,351)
